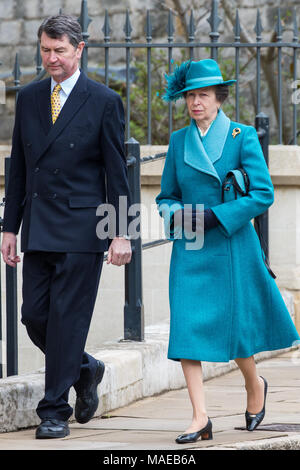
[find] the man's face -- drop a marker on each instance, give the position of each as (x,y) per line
(59,57)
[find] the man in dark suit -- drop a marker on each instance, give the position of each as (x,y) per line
(67,159)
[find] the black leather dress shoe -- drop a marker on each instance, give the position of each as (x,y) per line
(253,420)
(205,434)
(52,428)
(87,399)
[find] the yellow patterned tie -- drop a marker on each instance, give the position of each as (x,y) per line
(55,102)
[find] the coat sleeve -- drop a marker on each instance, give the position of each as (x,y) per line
(112,141)
(232,215)
(16,189)
(169,200)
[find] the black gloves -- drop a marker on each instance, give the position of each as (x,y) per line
(192,218)
(210,219)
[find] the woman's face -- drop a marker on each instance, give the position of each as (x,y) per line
(202,104)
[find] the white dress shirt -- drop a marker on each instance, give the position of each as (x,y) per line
(66,87)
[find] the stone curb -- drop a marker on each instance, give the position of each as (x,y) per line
(275,443)
(133,371)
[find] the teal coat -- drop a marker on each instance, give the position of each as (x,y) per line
(224,304)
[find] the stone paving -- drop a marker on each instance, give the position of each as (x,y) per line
(153,423)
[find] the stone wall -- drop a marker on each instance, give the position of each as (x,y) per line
(20,19)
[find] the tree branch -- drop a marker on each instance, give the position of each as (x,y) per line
(267,63)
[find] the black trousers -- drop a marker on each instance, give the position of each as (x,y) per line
(59,293)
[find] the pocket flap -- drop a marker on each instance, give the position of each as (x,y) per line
(81,201)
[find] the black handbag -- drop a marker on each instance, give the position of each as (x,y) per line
(236,184)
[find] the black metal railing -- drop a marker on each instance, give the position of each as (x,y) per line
(192,45)
(214,46)
(9,346)
(257,50)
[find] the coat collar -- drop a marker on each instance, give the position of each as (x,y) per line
(77,97)
(202,155)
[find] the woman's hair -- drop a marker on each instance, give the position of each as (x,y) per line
(221,91)
(57,26)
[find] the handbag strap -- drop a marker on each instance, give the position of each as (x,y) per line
(263,246)
(231,175)
(246,179)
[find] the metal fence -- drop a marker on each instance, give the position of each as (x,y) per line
(214,45)
(133,308)
(240,42)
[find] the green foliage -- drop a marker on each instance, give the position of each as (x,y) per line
(159,108)
(227,66)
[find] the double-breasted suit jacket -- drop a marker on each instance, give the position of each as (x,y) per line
(60,173)
(224,303)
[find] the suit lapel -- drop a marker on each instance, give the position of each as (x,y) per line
(202,155)
(44,104)
(77,98)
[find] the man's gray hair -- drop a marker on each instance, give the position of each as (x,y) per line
(59,25)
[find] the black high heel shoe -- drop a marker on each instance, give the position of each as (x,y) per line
(253,420)
(205,434)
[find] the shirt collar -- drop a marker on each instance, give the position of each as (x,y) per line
(68,84)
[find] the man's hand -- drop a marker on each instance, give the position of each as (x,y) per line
(119,252)
(9,249)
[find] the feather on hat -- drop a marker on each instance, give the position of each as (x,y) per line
(176,81)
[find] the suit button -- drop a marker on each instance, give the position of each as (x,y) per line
(72,145)
(29,144)
(36,170)
(56,171)
(35,195)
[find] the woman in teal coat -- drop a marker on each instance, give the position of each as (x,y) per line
(224,303)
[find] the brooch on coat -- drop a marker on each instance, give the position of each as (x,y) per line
(236,131)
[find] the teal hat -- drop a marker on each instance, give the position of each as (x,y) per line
(191,75)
